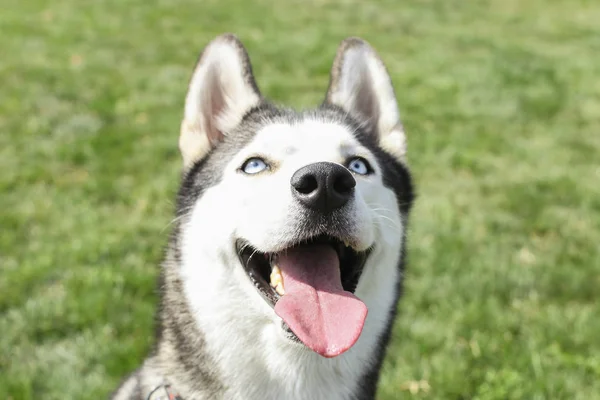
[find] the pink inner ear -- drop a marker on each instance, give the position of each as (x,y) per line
(213,104)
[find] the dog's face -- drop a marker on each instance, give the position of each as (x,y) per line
(274,210)
(296,218)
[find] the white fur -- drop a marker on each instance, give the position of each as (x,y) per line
(242,331)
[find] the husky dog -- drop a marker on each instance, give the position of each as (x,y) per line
(285,264)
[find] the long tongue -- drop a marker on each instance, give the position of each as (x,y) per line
(325,318)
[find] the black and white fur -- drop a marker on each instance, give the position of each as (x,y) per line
(217,337)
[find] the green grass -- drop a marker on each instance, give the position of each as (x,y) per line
(501,102)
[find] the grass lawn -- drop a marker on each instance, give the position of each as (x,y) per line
(501,103)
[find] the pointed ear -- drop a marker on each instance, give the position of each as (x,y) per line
(222,90)
(361,86)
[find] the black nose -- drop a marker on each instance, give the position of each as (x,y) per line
(323,186)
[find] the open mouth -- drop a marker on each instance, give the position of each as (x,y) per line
(259,266)
(311,287)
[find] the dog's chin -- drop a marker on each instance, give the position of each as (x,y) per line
(259,265)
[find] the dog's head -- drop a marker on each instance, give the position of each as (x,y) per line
(298,218)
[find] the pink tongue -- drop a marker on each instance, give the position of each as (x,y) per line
(325,318)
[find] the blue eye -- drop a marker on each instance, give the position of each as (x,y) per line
(254,165)
(359,166)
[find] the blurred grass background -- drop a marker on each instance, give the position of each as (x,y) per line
(501,103)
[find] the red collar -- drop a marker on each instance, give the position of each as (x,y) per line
(163,392)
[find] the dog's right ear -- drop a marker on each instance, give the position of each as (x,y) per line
(222,90)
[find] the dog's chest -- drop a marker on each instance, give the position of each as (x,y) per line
(294,383)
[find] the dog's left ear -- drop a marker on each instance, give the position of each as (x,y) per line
(361,86)
(222,90)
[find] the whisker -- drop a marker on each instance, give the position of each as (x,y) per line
(243,248)
(252,255)
(176,219)
(390,222)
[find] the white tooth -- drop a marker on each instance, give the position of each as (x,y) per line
(279,289)
(275,275)
(277,280)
